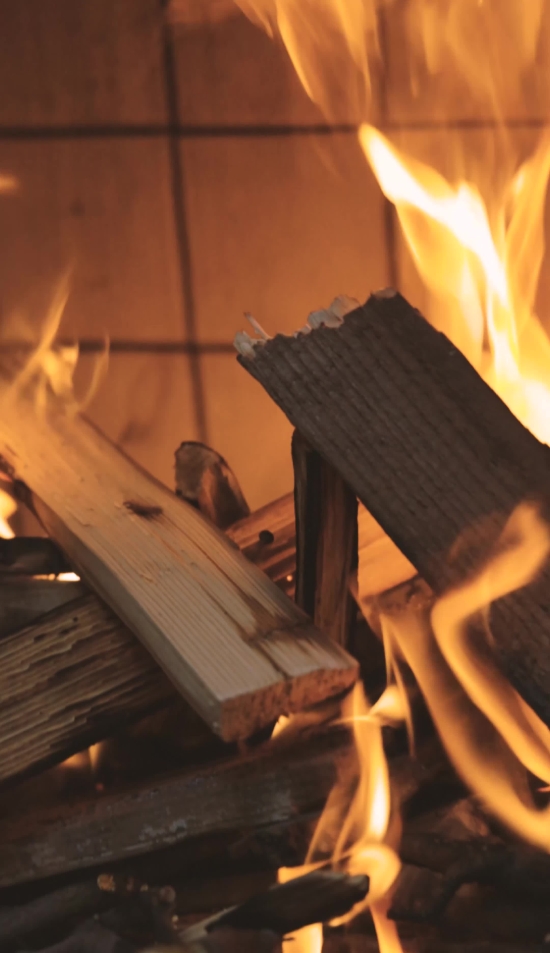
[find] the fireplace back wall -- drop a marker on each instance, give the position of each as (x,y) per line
(182,175)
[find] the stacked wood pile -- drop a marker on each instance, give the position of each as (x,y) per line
(143,799)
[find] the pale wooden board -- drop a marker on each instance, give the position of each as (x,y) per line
(229,639)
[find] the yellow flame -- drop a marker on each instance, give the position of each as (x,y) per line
(8,507)
(49,369)
(484,278)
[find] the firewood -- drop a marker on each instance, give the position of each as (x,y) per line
(230,641)
(273,785)
(326,542)
(69,680)
(257,796)
(426,446)
(312,898)
(204,479)
(61,690)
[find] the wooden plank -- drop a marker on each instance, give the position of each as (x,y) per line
(427,446)
(231,642)
(263,800)
(326,542)
(272,786)
(69,680)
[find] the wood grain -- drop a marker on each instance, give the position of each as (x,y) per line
(428,447)
(231,642)
(268,787)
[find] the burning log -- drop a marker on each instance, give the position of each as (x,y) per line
(284,908)
(234,646)
(273,787)
(264,788)
(326,542)
(427,446)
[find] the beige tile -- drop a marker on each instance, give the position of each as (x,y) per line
(279,227)
(248,429)
(104,209)
(91,61)
(476,62)
(231,72)
(144,404)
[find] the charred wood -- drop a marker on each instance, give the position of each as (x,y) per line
(428,448)
(326,542)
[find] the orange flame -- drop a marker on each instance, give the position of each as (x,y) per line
(49,370)
(487,729)
(484,278)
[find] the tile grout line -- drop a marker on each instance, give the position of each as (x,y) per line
(182,230)
(185,131)
(389,211)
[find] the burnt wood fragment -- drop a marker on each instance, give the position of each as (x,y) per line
(427,447)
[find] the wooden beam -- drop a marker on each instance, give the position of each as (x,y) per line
(427,446)
(326,542)
(271,786)
(263,800)
(231,642)
(69,680)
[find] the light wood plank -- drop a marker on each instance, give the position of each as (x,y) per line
(233,644)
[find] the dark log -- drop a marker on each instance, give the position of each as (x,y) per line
(315,897)
(270,786)
(204,479)
(326,542)
(91,937)
(32,556)
(23,599)
(249,797)
(429,449)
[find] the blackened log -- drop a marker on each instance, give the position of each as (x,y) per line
(428,448)
(270,786)
(316,897)
(326,542)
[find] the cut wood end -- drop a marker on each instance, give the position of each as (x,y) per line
(331,317)
(312,681)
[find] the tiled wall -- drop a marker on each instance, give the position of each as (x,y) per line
(183,176)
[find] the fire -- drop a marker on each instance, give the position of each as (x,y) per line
(483,278)
(492,737)
(8,507)
(476,236)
